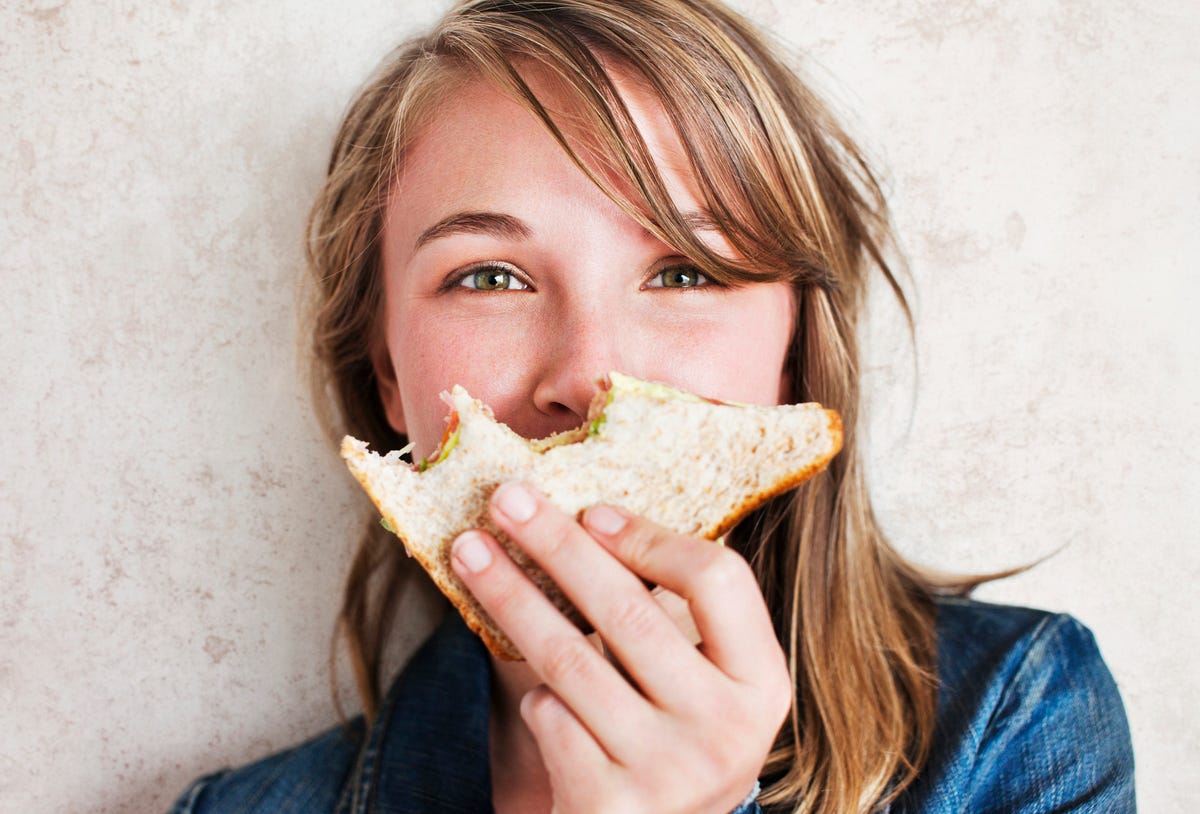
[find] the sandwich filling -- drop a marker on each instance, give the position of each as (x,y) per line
(445,446)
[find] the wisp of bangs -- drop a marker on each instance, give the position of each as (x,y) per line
(719,128)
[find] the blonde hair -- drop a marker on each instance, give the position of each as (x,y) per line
(797,201)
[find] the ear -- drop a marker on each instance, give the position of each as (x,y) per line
(389,387)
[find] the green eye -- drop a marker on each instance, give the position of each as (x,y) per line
(492,278)
(678,277)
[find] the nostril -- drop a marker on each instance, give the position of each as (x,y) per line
(562,417)
(565,399)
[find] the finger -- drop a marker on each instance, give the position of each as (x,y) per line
(552,645)
(677,609)
(572,757)
(721,590)
(648,645)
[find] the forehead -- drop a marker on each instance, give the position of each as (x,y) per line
(479,135)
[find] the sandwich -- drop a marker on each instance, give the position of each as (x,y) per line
(692,464)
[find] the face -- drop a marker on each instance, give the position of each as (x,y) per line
(507,271)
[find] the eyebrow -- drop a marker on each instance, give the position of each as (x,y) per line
(476,223)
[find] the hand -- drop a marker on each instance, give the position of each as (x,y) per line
(692,730)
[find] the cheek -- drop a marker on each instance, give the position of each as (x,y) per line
(745,353)
(434,353)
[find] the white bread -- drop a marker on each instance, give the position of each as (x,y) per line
(691,464)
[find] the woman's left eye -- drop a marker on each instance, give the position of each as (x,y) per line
(492,278)
(678,277)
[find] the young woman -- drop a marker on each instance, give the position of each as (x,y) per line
(537,193)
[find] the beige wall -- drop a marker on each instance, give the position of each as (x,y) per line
(173,531)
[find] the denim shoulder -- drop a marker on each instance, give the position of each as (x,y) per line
(1037,715)
(306,779)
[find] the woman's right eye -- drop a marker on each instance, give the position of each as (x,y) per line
(492,278)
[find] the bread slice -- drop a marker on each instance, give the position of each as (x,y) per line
(694,465)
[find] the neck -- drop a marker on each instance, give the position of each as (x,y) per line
(519,779)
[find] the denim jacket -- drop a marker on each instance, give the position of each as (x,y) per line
(1029,720)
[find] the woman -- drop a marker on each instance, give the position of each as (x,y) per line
(537,193)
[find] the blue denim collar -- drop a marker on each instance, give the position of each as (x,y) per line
(1028,715)
(428,748)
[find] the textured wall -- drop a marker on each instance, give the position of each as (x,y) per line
(173,531)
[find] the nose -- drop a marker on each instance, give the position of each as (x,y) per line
(577,355)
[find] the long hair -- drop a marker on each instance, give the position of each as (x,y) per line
(798,202)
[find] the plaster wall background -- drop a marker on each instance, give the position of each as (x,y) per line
(174,530)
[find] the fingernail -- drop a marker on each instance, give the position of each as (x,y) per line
(472,552)
(605,519)
(515,501)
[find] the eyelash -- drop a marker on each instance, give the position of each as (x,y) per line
(459,278)
(702,279)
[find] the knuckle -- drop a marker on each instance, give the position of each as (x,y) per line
(763,715)
(780,697)
(637,541)
(556,540)
(567,659)
(633,617)
(777,689)
(502,599)
(742,751)
(722,571)
(727,756)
